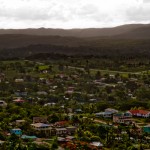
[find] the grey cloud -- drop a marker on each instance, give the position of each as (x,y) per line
(139,14)
(32,13)
(146,1)
(23,14)
(72,13)
(92,12)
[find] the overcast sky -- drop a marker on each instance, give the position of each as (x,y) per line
(72,13)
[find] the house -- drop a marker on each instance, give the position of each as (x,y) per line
(146,129)
(140,113)
(16,131)
(108,113)
(69,92)
(92,100)
(61,124)
(78,111)
(18,93)
(104,114)
(40,120)
(61,131)
(72,145)
(19,101)
(71,130)
(70,138)
(50,104)
(122,118)
(76,123)
(19,80)
(20,122)
(111,110)
(40,126)
(46,129)
(97,144)
(61,140)
(2,142)
(112,76)
(3,103)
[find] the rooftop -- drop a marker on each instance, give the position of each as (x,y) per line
(40,125)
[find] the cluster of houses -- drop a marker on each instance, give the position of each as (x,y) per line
(53,84)
(125,117)
(40,124)
(63,130)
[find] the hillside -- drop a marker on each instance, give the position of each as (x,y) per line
(91,32)
(16,40)
(127,40)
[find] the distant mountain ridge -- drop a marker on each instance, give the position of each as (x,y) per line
(124,31)
(127,40)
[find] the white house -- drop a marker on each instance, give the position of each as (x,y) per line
(3,103)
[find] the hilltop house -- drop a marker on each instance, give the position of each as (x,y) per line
(108,113)
(46,129)
(140,113)
(122,118)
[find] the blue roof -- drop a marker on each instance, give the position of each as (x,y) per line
(16,131)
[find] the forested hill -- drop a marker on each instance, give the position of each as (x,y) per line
(104,48)
(137,31)
(127,40)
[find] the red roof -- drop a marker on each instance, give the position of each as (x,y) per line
(61,123)
(19,101)
(142,112)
